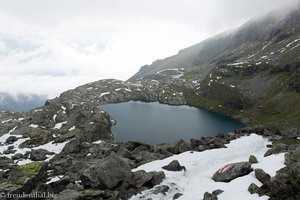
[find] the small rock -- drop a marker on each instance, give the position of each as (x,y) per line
(201,148)
(39,154)
(209,196)
(181,146)
(217,192)
(262,176)
(174,166)
(195,143)
(161,189)
(9,151)
(17,156)
(177,195)
(253,159)
(11,139)
(253,188)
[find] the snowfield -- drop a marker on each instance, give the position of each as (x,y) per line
(200,167)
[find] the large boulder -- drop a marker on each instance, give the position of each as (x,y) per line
(106,174)
(232,171)
(39,154)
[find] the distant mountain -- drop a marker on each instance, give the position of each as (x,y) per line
(21,103)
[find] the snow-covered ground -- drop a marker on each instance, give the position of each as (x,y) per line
(200,167)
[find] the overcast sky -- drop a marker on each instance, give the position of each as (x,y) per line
(47,47)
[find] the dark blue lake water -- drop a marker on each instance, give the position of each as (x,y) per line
(155,123)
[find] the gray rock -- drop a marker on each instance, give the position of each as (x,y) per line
(232,171)
(39,154)
(292,157)
(174,166)
(201,148)
(123,152)
(143,157)
(177,196)
(277,148)
(139,178)
(68,194)
(253,188)
(217,192)
(195,143)
(253,159)
(131,145)
(181,146)
(290,133)
(158,177)
(11,139)
(164,149)
(262,176)
(5,163)
(216,143)
(209,196)
(161,189)
(9,151)
(17,156)
(106,174)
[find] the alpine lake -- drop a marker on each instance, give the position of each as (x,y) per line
(155,123)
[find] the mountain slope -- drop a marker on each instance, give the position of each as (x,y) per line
(276,32)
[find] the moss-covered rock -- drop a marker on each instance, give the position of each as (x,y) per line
(23,178)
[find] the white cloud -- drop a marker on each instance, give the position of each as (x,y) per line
(47,47)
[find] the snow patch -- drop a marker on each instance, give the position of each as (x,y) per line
(103,94)
(54,179)
(59,125)
(5,121)
(34,125)
(200,166)
(98,142)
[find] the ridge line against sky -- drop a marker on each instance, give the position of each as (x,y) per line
(47,47)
